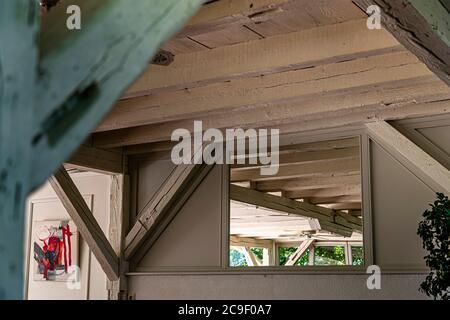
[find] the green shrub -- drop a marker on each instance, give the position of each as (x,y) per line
(435,233)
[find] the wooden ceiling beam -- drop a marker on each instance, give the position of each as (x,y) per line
(336,199)
(308,183)
(95,159)
(250,242)
(341,42)
(261,228)
(219,15)
(327,145)
(397,69)
(327,218)
(412,107)
(228,22)
(308,169)
(294,157)
(422,27)
(297,116)
(336,192)
(344,206)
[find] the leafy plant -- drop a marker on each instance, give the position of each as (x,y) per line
(237,259)
(329,256)
(357,256)
(435,233)
(285,252)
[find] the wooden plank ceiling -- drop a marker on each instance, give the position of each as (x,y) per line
(296,65)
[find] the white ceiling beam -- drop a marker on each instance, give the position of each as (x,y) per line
(422,27)
(396,69)
(308,169)
(299,116)
(344,41)
(308,183)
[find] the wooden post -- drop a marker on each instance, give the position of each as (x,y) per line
(18,55)
(46,115)
(118,224)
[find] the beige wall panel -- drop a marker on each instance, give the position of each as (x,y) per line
(398,200)
(193,238)
(439,136)
(151,176)
(260,287)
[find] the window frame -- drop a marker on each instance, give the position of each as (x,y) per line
(367,242)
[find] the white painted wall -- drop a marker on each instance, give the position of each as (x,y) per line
(44,205)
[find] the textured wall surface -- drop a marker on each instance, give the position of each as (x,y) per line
(307,286)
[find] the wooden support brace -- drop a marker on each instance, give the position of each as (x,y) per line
(166,216)
(175,190)
(174,187)
(118,224)
(250,257)
(83,218)
(294,257)
(330,220)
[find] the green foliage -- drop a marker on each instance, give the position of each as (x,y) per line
(285,252)
(237,259)
(435,233)
(357,256)
(258,252)
(329,255)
